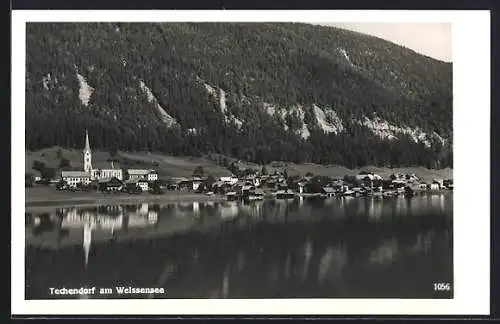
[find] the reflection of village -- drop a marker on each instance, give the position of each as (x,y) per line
(231,250)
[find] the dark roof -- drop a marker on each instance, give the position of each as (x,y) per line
(104,165)
(113,182)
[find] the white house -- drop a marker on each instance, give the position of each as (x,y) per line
(440,182)
(136,174)
(422,186)
(74,177)
(328,191)
(230,180)
(152,176)
(300,185)
(434,186)
(143,184)
(371,176)
(37,176)
(398,183)
(196,183)
(100,174)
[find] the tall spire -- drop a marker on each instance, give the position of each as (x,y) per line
(87,154)
(87,144)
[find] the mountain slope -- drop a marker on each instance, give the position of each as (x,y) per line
(259,92)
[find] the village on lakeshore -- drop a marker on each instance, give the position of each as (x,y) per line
(248,184)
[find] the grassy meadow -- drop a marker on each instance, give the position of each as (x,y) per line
(170,166)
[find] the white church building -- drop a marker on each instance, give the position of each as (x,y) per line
(89,173)
(98,174)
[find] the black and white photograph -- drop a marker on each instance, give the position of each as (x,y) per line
(246,160)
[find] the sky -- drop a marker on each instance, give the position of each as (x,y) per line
(431,39)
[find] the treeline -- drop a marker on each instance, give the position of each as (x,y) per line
(281,64)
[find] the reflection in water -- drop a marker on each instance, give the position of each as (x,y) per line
(87,238)
(332,262)
(363,247)
(196,208)
(375,210)
(229,210)
(225,282)
(241,261)
(288,269)
(384,253)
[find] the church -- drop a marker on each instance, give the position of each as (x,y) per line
(98,174)
(90,173)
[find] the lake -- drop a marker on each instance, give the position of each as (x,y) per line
(335,248)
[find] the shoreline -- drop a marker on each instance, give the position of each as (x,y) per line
(52,201)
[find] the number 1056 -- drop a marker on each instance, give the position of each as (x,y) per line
(442,286)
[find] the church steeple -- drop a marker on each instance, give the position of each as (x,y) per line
(87,154)
(87,144)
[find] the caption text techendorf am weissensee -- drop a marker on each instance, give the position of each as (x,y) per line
(121,290)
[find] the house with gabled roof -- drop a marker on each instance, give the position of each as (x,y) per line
(146,174)
(113,184)
(72,178)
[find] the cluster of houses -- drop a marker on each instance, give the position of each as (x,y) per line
(257,186)
(278,185)
(253,185)
(106,179)
(133,180)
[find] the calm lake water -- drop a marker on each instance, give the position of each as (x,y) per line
(337,248)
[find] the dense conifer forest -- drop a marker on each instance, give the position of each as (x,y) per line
(258,92)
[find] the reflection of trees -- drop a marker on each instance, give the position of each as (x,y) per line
(43,223)
(368,209)
(267,251)
(385,252)
(271,259)
(62,234)
(130,208)
(332,263)
(102,209)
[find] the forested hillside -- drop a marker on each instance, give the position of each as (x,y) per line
(258,92)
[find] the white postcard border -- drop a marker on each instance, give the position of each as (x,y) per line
(471,86)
